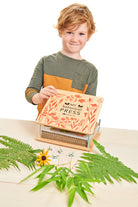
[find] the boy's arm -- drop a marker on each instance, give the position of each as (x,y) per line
(92,82)
(36,82)
(34,93)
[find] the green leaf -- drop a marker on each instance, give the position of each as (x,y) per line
(11,143)
(82,193)
(87,187)
(61,184)
(64,174)
(47,168)
(36,151)
(58,183)
(44,183)
(71,196)
(67,169)
(69,182)
(14,164)
(16,152)
(101,148)
(103,167)
(36,171)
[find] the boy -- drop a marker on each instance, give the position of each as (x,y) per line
(66,69)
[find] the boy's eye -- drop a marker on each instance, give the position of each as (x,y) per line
(69,32)
(81,34)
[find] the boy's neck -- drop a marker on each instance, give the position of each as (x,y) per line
(72,55)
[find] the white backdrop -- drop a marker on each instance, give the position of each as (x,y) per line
(27,34)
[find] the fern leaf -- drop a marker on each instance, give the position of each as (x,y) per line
(12,143)
(16,152)
(104,167)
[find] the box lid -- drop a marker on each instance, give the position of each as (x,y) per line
(71,111)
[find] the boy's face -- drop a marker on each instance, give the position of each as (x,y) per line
(73,40)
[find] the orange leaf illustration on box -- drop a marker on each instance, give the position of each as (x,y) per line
(71,111)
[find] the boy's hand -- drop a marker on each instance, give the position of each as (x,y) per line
(44,94)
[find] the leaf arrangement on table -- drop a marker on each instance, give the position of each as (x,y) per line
(90,168)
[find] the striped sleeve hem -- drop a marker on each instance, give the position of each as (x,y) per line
(29,93)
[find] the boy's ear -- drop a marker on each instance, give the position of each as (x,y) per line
(60,34)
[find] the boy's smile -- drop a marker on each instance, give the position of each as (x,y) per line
(73,40)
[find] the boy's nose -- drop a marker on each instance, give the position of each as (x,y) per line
(74,38)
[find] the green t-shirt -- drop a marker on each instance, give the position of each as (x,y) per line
(63,73)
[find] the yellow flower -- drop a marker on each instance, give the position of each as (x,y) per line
(43,158)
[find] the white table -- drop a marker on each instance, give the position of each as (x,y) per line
(118,142)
